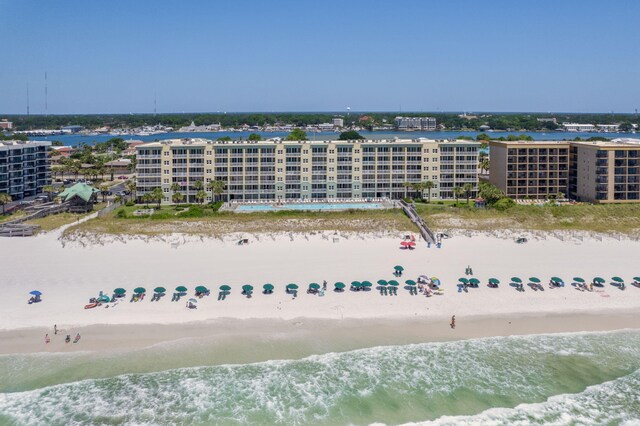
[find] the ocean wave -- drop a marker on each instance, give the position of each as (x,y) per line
(394,384)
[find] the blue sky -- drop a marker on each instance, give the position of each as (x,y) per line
(284,55)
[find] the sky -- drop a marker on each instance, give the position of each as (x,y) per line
(116,56)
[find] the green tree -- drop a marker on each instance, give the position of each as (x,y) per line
(467,188)
(483,137)
(198,185)
(297,135)
(49,190)
(201,195)
(406,186)
(176,196)
(217,187)
(224,139)
(131,187)
(103,191)
(147,198)
(254,137)
(157,196)
(484,165)
(350,135)
(4,200)
(428,186)
(458,192)
(625,127)
(490,193)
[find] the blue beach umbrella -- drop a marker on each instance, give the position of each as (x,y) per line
(35,293)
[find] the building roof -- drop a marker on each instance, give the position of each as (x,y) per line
(81,190)
(122,162)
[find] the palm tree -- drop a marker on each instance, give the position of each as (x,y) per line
(147,198)
(467,188)
(4,199)
(484,165)
(217,187)
(131,187)
(198,185)
(103,191)
(428,186)
(157,196)
(177,196)
(49,190)
(458,192)
(118,199)
(201,195)
(406,186)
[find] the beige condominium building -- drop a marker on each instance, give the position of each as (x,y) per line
(601,171)
(298,170)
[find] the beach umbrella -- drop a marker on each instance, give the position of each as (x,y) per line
(534,280)
(516,280)
(494,281)
(314,286)
(404,244)
(225,287)
(393,283)
(474,281)
(339,285)
(636,279)
(382,282)
(104,298)
(398,268)
(463,280)
(424,277)
(139,290)
(435,281)
(268,287)
(160,290)
(292,286)
(598,280)
(181,289)
(119,291)
(247,287)
(201,289)
(35,293)
(410,282)
(578,279)
(192,300)
(366,283)
(617,279)
(556,280)
(356,284)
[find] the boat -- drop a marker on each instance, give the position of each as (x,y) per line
(91,305)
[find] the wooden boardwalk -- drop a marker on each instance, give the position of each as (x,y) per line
(410,211)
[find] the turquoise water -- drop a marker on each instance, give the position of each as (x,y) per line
(317,206)
(584,378)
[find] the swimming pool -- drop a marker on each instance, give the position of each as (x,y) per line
(309,206)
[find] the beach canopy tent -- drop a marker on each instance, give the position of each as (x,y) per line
(339,285)
(139,290)
(474,281)
(617,279)
(201,289)
(598,280)
(314,286)
(225,287)
(35,293)
(104,299)
(119,291)
(578,280)
(181,289)
(435,281)
(81,197)
(410,282)
(516,280)
(160,290)
(382,282)
(463,280)
(292,286)
(366,283)
(393,283)
(398,268)
(534,280)
(247,287)
(494,281)
(268,287)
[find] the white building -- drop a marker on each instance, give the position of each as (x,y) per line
(415,123)
(6,124)
(338,122)
(576,127)
(608,127)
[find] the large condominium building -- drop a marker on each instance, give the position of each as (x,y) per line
(415,123)
(294,170)
(603,172)
(24,168)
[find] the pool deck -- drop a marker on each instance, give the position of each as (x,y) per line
(309,205)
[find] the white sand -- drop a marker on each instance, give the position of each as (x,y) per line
(68,276)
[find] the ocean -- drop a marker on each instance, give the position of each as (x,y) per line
(560,379)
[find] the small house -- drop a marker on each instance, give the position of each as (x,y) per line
(81,197)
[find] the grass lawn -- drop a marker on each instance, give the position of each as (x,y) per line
(55,221)
(623,218)
(9,217)
(204,221)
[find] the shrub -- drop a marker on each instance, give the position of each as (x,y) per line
(504,203)
(216,206)
(122,214)
(194,211)
(130,203)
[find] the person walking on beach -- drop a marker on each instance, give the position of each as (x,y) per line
(55,328)
(324,285)
(46,338)
(453,322)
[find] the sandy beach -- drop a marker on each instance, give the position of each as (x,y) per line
(69,274)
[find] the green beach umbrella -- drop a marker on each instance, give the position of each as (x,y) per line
(292,286)
(160,290)
(314,286)
(516,280)
(410,282)
(356,284)
(181,289)
(339,285)
(225,287)
(398,268)
(268,287)
(393,283)
(382,282)
(578,279)
(201,289)
(119,291)
(494,281)
(247,287)
(104,298)
(474,281)
(534,280)
(598,280)
(139,290)
(557,279)
(636,279)
(617,279)
(463,280)
(366,283)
